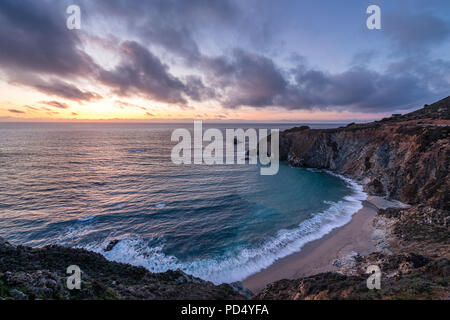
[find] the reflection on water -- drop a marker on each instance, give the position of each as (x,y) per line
(86,184)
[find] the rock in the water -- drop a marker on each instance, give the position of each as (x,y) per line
(111,245)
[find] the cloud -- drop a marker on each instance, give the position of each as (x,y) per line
(123,105)
(16,111)
(66,90)
(140,72)
(56,104)
(56,87)
(247,79)
(256,81)
(357,89)
(37,46)
(170,24)
(363,90)
(33,37)
(196,89)
(39,52)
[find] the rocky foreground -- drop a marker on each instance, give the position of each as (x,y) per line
(40,273)
(405,157)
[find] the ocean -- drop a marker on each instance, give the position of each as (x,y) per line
(85,184)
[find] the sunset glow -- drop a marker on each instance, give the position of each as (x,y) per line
(211,63)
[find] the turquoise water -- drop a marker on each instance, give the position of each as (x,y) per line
(83,185)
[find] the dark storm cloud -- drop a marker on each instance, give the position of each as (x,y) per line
(35,43)
(248,79)
(197,91)
(33,36)
(141,72)
(358,88)
(255,81)
(38,50)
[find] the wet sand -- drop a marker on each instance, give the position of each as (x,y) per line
(317,256)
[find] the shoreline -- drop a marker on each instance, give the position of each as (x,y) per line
(317,256)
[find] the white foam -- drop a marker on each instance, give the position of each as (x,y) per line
(160,205)
(240,263)
(87,218)
(73,233)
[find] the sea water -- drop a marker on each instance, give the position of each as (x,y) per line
(86,184)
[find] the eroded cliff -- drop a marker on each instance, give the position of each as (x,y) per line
(403,157)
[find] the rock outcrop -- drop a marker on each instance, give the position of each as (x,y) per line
(40,273)
(420,229)
(404,276)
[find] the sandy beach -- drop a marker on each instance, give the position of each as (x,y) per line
(317,256)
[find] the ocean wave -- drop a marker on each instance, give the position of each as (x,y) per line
(73,233)
(87,218)
(240,263)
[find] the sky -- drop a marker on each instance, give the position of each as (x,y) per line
(222,60)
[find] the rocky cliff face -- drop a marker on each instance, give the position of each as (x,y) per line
(404,157)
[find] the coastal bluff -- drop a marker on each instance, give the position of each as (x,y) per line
(404,157)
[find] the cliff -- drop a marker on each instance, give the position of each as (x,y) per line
(404,157)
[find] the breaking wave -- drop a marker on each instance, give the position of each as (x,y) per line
(242,262)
